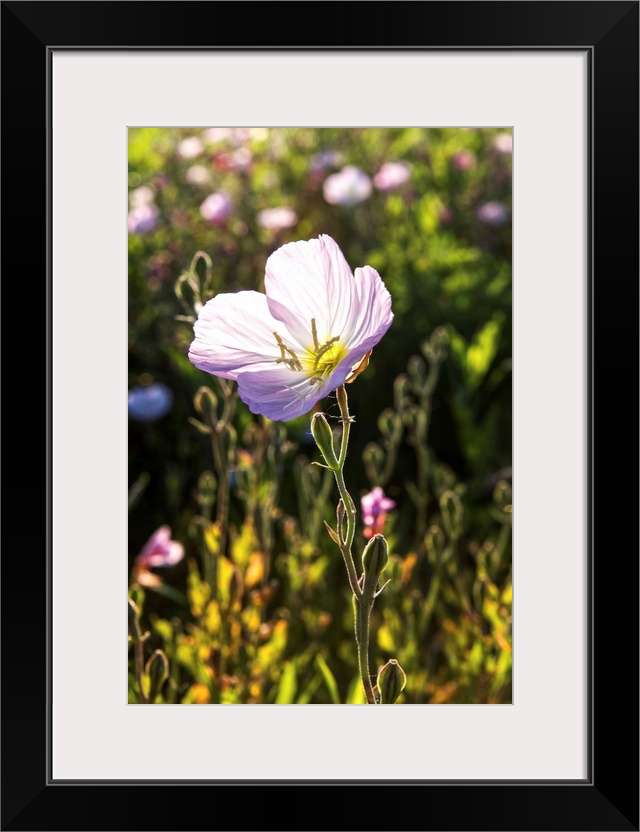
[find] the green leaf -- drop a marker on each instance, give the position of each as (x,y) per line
(288,685)
(329,679)
(307,693)
(355,694)
(482,351)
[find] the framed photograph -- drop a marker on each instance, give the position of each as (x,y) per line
(458,183)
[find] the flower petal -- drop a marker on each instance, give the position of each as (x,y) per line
(310,279)
(281,394)
(173,554)
(371,315)
(158,542)
(234,331)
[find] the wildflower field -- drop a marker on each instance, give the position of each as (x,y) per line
(320,415)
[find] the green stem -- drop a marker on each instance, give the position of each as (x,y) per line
(315,520)
(430,602)
(362,605)
(349,505)
(363,614)
(139,658)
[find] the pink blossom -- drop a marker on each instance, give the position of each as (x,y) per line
(141,196)
(197,175)
(375,506)
(237,160)
(347,187)
(142,218)
(217,207)
(241,159)
(160,550)
(217,134)
(293,345)
(463,160)
(277,218)
(392,175)
(190,148)
(503,143)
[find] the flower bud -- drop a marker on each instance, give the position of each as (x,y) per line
(206,404)
(373,457)
(417,371)
(451,508)
(437,347)
(374,559)
(391,682)
(401,389)
(206,489)
(158,672)
(228,442)
(186,290)
(134,621)
(416,421)
(389,422)
(434,540)
(502,496)
(324,440)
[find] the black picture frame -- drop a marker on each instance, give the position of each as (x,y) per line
(608,798)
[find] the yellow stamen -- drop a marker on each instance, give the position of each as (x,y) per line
(318,361)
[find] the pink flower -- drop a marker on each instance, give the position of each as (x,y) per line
(391,176)
(217,134)
(375,506)
(217,207)
(347,187)
(142,218)
(141,196)
(240,159)
(463,160)
(190,148)
(197,175)
(503,143)
(277,218)
(290,347)
(160,550)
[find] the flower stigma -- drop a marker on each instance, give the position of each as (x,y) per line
(318,361)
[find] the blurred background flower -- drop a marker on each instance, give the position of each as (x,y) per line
(190,148)
(160,550)
(150,402)
(197,175)
(375,506)
(141,196)
(347,187)
(391,176)
(463,160)
(142,218)
(326,159)
(492,213)
(217,208)
(503,143)
(277,218)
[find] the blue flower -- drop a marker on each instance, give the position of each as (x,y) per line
(146,404)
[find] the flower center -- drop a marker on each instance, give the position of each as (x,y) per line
(318,361)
